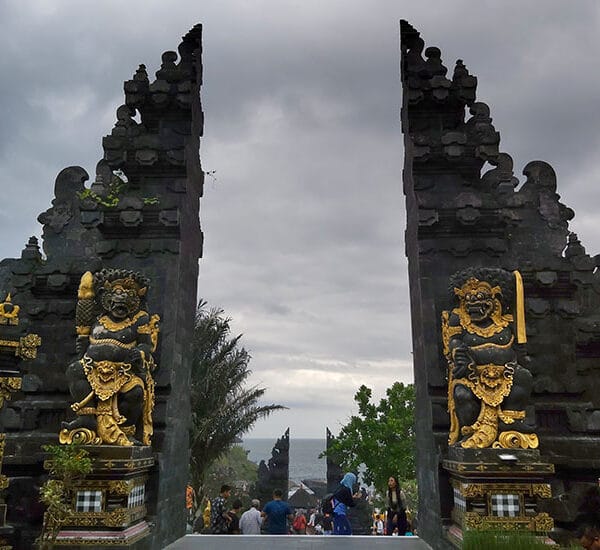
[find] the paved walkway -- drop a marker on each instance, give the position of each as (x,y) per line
(297,542)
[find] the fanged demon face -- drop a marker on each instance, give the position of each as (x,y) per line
(479,305)
(106,372)
(478,299)
(121,299)
(491,375)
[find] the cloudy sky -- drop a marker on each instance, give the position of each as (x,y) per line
(304,220)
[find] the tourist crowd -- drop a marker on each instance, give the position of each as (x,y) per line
(278,518)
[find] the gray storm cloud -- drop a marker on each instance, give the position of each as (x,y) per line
(304,223)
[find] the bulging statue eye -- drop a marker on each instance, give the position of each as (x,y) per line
(480,296)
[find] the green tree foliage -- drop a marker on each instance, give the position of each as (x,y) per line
(67,464)
(380,438)
(233,468)
(223,407)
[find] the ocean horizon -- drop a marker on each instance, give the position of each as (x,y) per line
(304,455)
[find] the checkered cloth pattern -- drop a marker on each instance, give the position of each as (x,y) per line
(459,501)
(136,497)
(88,501)
(505,505)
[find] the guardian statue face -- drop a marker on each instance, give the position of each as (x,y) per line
(121,298)
(478,299)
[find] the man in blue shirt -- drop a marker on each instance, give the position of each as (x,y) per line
(276,513)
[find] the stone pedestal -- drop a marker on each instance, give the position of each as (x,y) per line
(109,504)
(499,490)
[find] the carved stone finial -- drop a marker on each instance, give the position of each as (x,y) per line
(574,247)
(168,68)
(460,71)
(31,250)
(9,312)
(141,75)
(434,61)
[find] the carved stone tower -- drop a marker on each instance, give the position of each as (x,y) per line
(275,474)
(141,213)
(460,215)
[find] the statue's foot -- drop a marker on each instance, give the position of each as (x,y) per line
(86,422)
(517,426)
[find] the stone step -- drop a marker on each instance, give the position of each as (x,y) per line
(297,542)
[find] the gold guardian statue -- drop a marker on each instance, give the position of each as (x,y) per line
(488,388)
(112,381)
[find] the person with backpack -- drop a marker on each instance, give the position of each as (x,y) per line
(299,524)
(396,509)
(342,499)
(219,518)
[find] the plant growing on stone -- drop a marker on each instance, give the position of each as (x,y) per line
(112,197)
(66,464)
(502,540)
(113,194)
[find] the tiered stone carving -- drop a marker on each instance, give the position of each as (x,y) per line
(16,345)
(467,208)
(275,473)
(140,213)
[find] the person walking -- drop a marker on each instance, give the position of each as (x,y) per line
(312,522)
(219,518)
(396,508)
(342,500)
(251,520)
(327,524)
(276,513)
(234,525)
(190,503)
(299,524)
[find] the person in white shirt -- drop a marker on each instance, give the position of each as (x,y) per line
(251,521)
(310,526)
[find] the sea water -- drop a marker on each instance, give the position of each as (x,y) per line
(304,456)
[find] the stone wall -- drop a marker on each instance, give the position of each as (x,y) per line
(466,208)
(149,224)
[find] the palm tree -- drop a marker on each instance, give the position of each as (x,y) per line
(223,408)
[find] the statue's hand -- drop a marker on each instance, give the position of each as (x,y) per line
(462,360)
(81,345)
(135,356)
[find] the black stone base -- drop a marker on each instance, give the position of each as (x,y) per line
(492,455)
(499,463)
(497,490)
(110,509)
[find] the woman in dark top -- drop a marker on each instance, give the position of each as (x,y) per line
(396,508)
(342,500)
